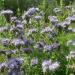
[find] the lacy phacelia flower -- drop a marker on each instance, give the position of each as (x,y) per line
(13,18)
(56,45)
(71,18)
(70,42)
(14,63)
(5,42)
(48,48)
(11,52)
(17,42)
(71,55)
(46,30)
(68,7)
(7,12)
(37,18)
(3,65)
(33,30)
(54,66)
(28,42)
(39,45)
(29,13)
(47,65)
(53,19)
(56,10)
(34,61)
(4,28)
(27,50)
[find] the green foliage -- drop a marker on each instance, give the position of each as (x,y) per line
(1,4)
(60,54)
(21,4)
(65,2)
(47,6)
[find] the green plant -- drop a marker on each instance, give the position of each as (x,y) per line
(47,6)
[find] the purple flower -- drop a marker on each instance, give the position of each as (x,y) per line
(48,65)
(48,48)
(39,45)
(17,21)
(45,65)
(34,61)
(3,66)
(14,63)
(30,12)
(71,18)
(46,30)
(10,52)
(54,66)
(56,45)
(53,19)
(20,26)
(5,42)
(27,50)
(37,18)
(13,18)
(17,42)
(28,42)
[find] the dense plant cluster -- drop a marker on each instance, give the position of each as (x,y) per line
(29,45)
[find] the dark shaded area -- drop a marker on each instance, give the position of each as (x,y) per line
(21,4)
(66,2)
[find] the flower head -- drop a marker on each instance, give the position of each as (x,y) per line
(48,48)
(17,42)
(7,12)
(53,19)
(37,18)
(46,30)
(27,50)
(34,61)
(56,10)
(54,66)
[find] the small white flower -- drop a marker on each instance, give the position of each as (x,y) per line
(68,7)
(72,54)
(3,29)
(71,42)
(54,66)
(13,18)
(56,10)
(6,12)
(45,65)
(3,65)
